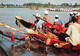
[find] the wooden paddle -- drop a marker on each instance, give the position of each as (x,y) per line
(67,24)
(12,28)
(41,19)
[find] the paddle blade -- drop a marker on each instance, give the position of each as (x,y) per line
(12,35)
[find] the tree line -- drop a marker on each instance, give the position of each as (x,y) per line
(42,5)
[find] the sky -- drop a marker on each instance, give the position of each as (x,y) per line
(39,1)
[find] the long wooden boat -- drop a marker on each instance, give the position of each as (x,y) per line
(52,41)
(48,41)
(34,8)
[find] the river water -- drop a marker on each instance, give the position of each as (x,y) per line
(7,16)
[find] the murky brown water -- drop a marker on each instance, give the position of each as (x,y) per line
(39,49)
(35,48)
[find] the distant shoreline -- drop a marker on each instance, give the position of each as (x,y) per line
(39,5)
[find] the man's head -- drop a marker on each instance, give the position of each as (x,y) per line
(46,12)
(75,13)
(57,17)
(71,13)
(74,19)
(38,16)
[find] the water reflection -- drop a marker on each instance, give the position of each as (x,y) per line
(13,49)
(35,48)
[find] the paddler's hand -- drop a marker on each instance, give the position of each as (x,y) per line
(33,28)
(18,18)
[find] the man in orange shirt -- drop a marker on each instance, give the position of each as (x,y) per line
(78,18)
(46,17)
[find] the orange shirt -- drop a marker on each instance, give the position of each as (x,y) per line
(47,18)
(78,19)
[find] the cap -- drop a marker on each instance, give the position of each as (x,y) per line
(71,12)
(78,14)
(57,16)
(45,12)
(75,12)
(38,15)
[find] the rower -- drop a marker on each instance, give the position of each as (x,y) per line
(78,15)
(59,31)
(71,15)
(75,13)
(38,22)
(70,18)
(58,26)
(37,16)
(74,32)
(46,17)
(57,19)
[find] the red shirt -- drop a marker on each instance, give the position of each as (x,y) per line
(49,25)
(59,27)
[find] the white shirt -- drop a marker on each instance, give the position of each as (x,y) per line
(39,24)
(74,34)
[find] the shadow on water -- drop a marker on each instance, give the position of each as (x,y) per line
(2,52)
(35,48)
